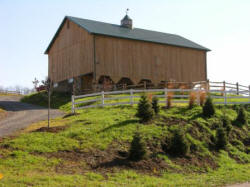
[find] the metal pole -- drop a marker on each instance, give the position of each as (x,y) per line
(49,83)
(48,105)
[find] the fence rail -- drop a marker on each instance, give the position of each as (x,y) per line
(17,92)
(10,92)
(111,98)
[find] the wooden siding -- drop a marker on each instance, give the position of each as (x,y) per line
(138,60)
(71,54)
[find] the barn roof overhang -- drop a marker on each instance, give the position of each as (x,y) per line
(107,29)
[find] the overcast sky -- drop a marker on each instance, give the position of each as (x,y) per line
(222,26)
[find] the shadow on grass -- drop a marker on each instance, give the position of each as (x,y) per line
(116,162)
(120,124)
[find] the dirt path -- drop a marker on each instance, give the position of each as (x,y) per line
(20,115)
(240,185)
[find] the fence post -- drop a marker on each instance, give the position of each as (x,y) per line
(102,98)
(225,97)
(198,96)
(237,88)
(73,104)
(131,97)
(224,86)
(208,87)
(166,96)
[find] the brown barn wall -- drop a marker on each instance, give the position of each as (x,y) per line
(138,60)
(71,54)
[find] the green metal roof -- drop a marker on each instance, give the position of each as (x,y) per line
(101,28)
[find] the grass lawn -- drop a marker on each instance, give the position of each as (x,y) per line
(9,94)
(91,148)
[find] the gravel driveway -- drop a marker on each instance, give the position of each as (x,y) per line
(20,115)
(240,185)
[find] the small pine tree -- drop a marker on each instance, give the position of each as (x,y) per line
(226,124)
(242,117)
(221,138)
(137,149)
(144,110)
(179,145)
(208,108)
(155,105)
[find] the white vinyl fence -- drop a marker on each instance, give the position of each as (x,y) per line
(16,92)
(130,97)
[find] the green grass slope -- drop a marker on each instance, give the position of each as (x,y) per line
(41,98)
(91,148)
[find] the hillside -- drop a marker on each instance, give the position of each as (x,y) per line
(92,147)
(41,98)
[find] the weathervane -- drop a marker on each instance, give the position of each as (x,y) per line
(127,11)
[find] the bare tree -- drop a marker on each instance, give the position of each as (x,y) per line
(45,82)
(35,82)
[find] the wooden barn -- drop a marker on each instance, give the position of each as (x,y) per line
(90,54)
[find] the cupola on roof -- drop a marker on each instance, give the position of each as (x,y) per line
(127,22)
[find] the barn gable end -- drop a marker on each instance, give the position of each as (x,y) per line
(71,53)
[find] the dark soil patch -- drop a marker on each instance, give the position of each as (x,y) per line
(107,161)
(113,159)
(169,121)
(197,161)
(51,129)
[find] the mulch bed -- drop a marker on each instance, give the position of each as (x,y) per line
(112,160)
(103,162)
(51,129)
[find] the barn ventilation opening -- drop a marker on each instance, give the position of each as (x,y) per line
(146,83)
(105,82)
(125,80)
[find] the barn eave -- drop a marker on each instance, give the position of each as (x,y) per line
(185,44)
